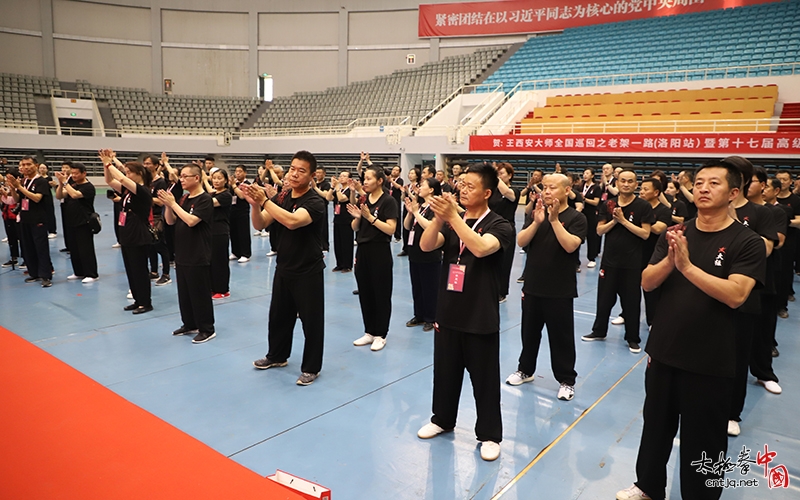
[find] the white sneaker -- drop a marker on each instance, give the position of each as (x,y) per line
(378,344)
(366,339)
(243,259)
(591,264)
(490,450)
(231,257)
(52,236)
(89,279)
(116,245)
(130,295)
(771,386)
(429,430)
(519,378)
(632,493)
(73,277)
(272,253)
(619,320)
(566,392)
(733,428)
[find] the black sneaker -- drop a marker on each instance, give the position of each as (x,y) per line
(502,299)
(634,347)
(521,279)
(63,250)
(307,378)
(46,283)
(402,254)
(775,352)
(130,307)
(23,266)
(266,363)
(413,322)
(31,279)
(783,313)
(142,309)
(203,337)
(153,276)
(427,327)
(185,331)
(355,292)
(163,280)
(593,336)
(10,263)
(336,269)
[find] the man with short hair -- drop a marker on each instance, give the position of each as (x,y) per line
(323,188)
(297,288)
(208,163)
(626,224)
(428,172)
(32,194)
(394,186)
(705,271)
(467,315)
(552,240)
(78,195)
(650,192)
(192,216)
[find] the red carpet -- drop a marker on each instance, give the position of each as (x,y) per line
(64,436)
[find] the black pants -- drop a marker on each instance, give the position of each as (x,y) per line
(785,282)
(194,297)
(117,210)
(650,304)
(159,247)
(80,242)
(169,236)
(374,278)
(425,289)
(294,297)
(764,339)
(508,262)
(453,352)
(745,324)
(557,314)
(65,229)
(220,265)
(274,236)
(627,284)
(12,233)
(50,214)
(240,234)
(135,260)
(343,245)
(700,403)
(324,231)
(36,249)
(593,239)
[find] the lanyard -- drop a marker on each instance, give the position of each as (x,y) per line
(586,189)
(461,244)
(422,212)
(29,182)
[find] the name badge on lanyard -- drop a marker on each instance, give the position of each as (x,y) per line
(458,271)
(337,209)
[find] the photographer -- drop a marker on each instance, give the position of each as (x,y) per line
(78,195)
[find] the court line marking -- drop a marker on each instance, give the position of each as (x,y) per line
(505,489)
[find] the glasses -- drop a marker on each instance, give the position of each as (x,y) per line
(188,176)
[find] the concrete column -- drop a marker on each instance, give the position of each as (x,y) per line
(252,66)
(48,47)
(434,55)
(156,57)
(344,36)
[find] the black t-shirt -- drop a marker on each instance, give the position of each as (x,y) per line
(325,185)
(592,192)
(760,220)
(792,201)
(393,191)
(77,211)
(549,263)
(662,213)
(623,249)
(414,235)
(679,209)
(384,209)
(222,213)
(193,244)
(573,202)
(156,186)
(31,212)
(780,218)
(691,209)
(692,331)
(340,213)
(136,214)
(239,206)
(300,250)
(475,309)
(504,207)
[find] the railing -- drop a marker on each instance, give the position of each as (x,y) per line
(72,94)
(660,77)
(378,121)
(665,126)
(464,89)
(482,106)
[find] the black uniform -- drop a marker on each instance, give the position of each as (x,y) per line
(593,240)
(424,268)
(297,288)
(397,194)
(193,264)
(374,267)
(159,246)
(468,330)
(324,228)
(621,269)
(789,251)
(240,226)
(220,233)
(342,232)
(548,299)
(662,213)
(507,209)
(79,237)
(689,378)
(135,238)
(33,228)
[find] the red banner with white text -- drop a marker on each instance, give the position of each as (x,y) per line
(742,143)
(527,16)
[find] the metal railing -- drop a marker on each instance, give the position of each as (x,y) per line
(376,121)
(665,126)
(464,89)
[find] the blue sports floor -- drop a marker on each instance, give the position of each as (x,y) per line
(354,429)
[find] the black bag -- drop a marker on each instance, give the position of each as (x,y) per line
(94,223)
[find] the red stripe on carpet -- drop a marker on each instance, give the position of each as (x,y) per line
(64,436)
